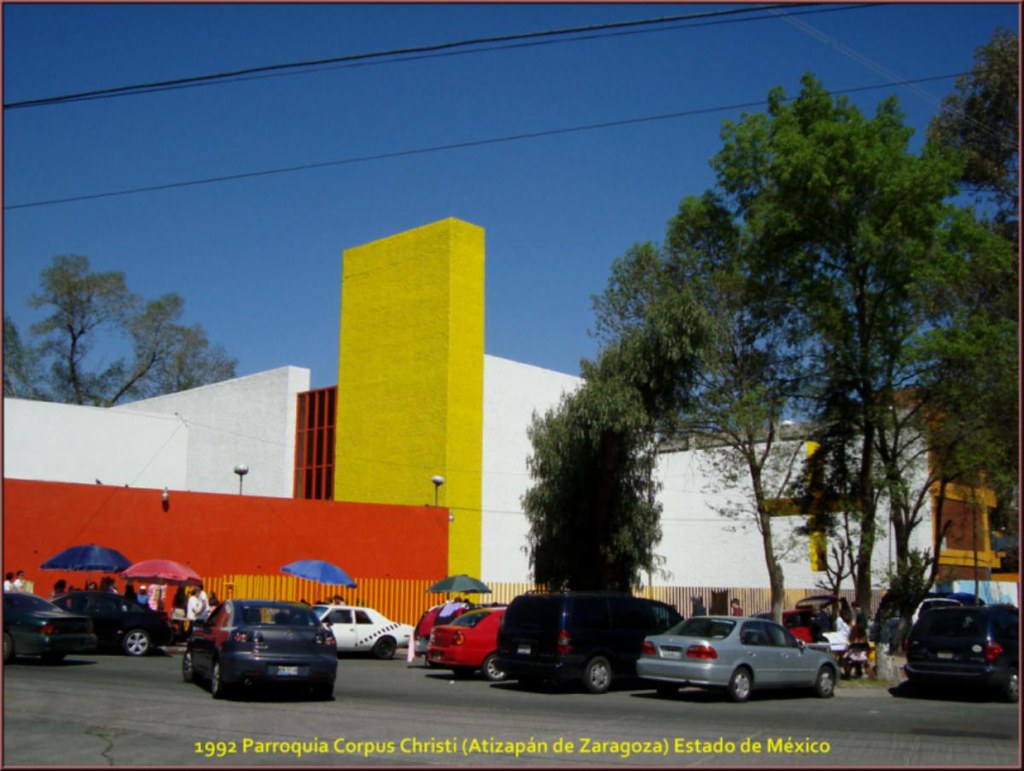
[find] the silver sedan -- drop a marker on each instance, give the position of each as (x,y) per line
(736,654)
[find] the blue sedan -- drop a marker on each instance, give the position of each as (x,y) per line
(735,654)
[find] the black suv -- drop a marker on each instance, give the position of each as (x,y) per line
(587,636)
(969,645)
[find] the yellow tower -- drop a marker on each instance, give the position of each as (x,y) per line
(410,377)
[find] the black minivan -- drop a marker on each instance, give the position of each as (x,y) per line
(587,636)
(970,645)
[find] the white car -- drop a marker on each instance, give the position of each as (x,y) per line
(363,630)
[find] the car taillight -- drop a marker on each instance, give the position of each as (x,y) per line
(648,649)
(564,642)
(243,636)
(325,638)
(993,650)
(458,638)
(47,629)
(702,651)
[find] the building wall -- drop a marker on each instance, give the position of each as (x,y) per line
(513,392)
(68,443)
(225,538)
(410,379)
(248,420)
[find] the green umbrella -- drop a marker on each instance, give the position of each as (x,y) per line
(462,584)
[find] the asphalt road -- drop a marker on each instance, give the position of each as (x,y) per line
(113,710)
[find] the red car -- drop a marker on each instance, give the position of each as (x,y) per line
(468,644)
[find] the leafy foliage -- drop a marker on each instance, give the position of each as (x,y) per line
(89,313)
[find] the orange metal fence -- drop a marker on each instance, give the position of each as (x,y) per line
(405,600)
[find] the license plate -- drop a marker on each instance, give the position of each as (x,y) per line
(287,670)
(524,649)
(944,655)
(671,653)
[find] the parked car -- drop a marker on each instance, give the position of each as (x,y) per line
(802,619)
(737,655)
(35,627)
(970,645)
(119,623)
(252,642)
(363,630)
(468,644)
(569,636)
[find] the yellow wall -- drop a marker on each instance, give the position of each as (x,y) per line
(410,376)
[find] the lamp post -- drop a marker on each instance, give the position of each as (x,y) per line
(438,480)
(241,470)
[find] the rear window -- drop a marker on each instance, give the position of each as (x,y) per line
(952,623)
(705,627)
(471,619)
(534,613)
(268,615)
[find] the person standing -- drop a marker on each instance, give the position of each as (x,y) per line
(735,609)
(9,582)
(697,604)
(19,582)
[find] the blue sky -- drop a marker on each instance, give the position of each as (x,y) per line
(258,259)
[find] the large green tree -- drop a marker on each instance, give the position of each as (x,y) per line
(860,235)
(89,316)
(592,507)
(748,378)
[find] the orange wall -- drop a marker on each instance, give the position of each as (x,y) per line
(218,535)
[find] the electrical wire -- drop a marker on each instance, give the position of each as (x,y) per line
(439,148)
(421,52)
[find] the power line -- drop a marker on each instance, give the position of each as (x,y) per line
(393,54)
(441,148)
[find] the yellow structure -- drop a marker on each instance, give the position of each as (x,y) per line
(410,377)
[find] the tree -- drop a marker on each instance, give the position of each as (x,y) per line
(747,378)
(981,120)
(859,236)
(592,508)
(21,365)
(90,311)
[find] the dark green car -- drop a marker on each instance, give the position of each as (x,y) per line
(35,627)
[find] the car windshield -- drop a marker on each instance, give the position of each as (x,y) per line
(471,619)
(275,615)
(704,627)
(17,601)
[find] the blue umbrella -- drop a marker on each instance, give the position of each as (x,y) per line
(88,557)
(319,570)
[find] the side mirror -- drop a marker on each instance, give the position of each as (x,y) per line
(800,644)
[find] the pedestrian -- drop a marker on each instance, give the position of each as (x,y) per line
(60,586)
(9,582)
(735,609)
(860,618)
(142,596)
(194,610)
(697,606)
(19,584)
(129,592)
(206,603)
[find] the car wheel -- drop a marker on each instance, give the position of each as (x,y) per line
(218,688)
(53,658)
(740,684)
(136,642)
(490,669)
(825,683)
(666,690)
(597,675)
(188,671)
(385,648)
(8,648)
(1011,686)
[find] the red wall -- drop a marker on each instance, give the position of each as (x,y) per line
(218,534)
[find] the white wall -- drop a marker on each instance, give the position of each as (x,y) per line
(249,420)
(512,392)
(66,443)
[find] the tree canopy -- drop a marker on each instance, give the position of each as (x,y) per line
(76,352)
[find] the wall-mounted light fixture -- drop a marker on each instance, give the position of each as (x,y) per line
(241,469)
(165,499)
(438,480)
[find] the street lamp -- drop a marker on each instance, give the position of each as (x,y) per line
(438,480)
(241,470)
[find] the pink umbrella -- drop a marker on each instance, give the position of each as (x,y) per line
(161,571)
